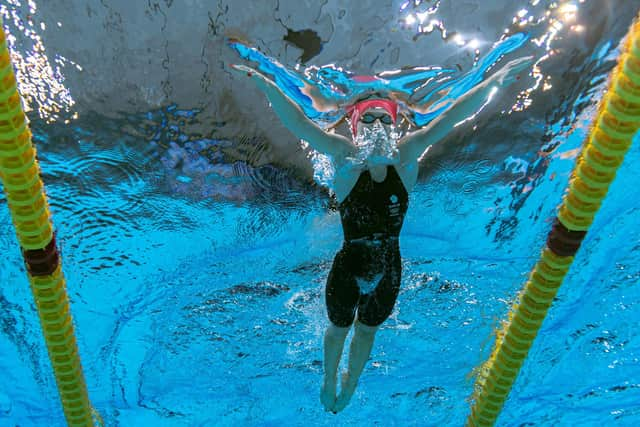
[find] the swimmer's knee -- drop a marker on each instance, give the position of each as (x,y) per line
(365,329)
(373,318)
(335,331)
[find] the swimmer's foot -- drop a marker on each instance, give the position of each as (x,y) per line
(346,391)
(328,393)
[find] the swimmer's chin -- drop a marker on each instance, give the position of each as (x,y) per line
(373,160)
(378,160)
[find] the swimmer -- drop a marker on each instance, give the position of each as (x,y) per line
(375,171)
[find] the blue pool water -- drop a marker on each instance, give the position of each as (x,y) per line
(195,311)
(197,282)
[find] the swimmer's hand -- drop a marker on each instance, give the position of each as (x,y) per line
(413,145)
(511,71)
(262,81)
(233,37)
(294,118)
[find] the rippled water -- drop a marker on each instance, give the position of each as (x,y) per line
(196,270)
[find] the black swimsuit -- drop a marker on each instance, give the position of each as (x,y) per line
(372,216)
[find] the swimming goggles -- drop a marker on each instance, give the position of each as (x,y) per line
(368,118)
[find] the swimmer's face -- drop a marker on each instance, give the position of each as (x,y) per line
(374,121)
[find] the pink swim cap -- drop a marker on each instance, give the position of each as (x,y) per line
(359,108)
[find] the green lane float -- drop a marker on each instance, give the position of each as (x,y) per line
(616,124)
(20,177)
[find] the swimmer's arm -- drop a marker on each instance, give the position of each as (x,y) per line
(413,145)
(294,118)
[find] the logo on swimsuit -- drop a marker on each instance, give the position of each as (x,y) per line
(394,207)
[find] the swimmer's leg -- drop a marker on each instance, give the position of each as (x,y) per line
(373,310)
(333,344)
(342,297)
(359,352)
